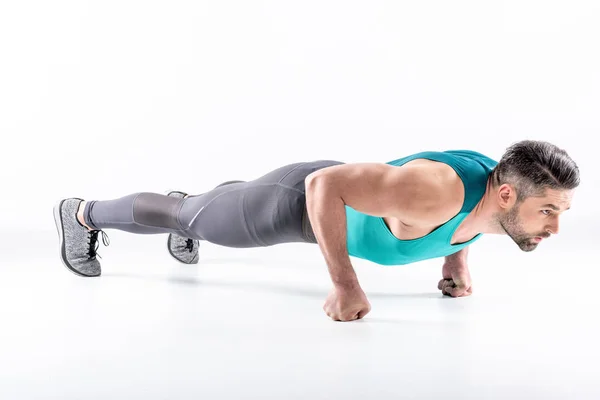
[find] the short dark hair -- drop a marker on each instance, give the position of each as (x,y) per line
(532,166)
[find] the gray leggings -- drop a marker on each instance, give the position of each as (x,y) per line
(263,212)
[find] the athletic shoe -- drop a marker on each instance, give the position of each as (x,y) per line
(183,249)
(78,244)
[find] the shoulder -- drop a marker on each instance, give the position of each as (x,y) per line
(441,190)
(473,159)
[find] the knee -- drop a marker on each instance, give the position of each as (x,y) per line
(153,209)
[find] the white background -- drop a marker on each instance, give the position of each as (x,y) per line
(103,99)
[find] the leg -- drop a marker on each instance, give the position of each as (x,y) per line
(266,211)
(183,249)
(263,212)
(142,213)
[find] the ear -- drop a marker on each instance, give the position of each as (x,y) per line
(507,196)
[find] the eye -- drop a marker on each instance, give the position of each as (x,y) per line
(546,212)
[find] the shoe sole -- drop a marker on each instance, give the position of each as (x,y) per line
(167,193)
(173,255)
(60,229)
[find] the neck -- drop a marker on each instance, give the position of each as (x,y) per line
(482,219)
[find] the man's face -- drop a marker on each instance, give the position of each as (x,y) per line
(535,218)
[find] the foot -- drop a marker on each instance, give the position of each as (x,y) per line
(183,249)
(78,244)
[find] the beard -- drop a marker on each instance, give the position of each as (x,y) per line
(512,225)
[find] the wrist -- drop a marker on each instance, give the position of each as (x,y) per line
(456,262)
(346,285)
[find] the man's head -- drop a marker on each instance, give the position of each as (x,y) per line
(533,183)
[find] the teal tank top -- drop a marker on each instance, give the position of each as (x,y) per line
(369,238)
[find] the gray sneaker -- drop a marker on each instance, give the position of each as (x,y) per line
(183,249)
(78,245)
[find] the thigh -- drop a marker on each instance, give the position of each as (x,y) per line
(249,215)
(262,212)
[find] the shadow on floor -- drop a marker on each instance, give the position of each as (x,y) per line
(263,287)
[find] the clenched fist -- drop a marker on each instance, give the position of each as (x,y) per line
(347,304)
(456,280)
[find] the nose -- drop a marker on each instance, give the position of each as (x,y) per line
(553,229)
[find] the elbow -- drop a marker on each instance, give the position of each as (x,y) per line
(318,188)
(312,178)
(313,181)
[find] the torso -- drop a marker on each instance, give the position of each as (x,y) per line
(406,229)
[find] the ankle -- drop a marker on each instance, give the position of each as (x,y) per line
(80,215)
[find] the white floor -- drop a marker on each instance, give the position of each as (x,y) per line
(248,324)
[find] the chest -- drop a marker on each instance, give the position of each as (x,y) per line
(405,232)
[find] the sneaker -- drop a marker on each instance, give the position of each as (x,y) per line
(78,244)
(183,249)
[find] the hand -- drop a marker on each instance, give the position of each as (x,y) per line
(456,280)
(347,304)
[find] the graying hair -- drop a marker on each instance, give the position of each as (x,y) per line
(532,166)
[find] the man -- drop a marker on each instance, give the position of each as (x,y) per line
(426,205)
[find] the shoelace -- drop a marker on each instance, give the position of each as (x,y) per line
(94,244)
(189,244)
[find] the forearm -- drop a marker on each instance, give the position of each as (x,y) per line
(327,214)
(456,279)
(459,256)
